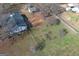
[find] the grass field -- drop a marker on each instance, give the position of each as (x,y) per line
(55,45)
(67,45)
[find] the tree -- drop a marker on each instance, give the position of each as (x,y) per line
(40,45)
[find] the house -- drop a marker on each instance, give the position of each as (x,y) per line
(14,23)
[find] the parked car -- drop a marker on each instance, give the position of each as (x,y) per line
(73,8)
(32,9)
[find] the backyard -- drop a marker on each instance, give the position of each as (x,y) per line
(49,37)
(47,40)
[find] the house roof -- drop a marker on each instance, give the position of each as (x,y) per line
(18,19)
(13,22)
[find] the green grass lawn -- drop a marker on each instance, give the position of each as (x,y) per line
(56,45)
(67,45)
